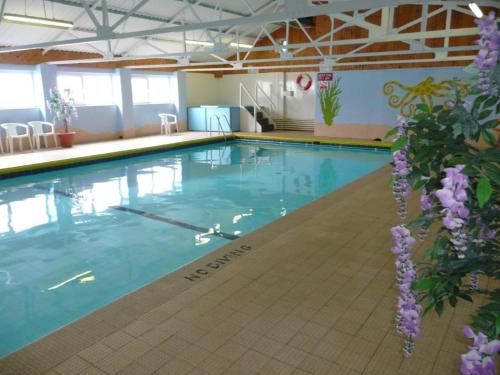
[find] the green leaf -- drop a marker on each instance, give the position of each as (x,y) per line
(477,103)
(497,325)
(452,300)
(439,308)
(493,173)
(465,296)
(399,143)
(437,108)
(420,183)
(456,160)
(485,114)
(425,284)
(423,107)
(391,133)
(490,102)
(483,191)
(471,69)
(488,137)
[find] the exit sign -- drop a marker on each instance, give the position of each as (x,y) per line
(325,76)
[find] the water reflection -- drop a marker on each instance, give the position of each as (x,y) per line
(22,214)
(64,200)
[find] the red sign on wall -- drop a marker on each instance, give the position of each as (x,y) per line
(325,76)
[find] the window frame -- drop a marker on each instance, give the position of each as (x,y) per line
(31,73)
(147,78)
(81,76)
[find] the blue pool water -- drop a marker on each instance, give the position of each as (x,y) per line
(74,240)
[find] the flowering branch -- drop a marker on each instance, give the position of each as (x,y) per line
(436,152)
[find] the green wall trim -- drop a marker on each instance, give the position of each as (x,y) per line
(331,141)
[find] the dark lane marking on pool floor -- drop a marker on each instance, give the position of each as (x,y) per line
(149,215)
(181,224)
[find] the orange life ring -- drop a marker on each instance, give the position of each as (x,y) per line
(301,78)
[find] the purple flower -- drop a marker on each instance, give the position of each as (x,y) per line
(479,359)
(408,310)
(453,197)
(425,200)
(487,57)
(402,168)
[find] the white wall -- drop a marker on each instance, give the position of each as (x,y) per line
(205,89)
(201,89)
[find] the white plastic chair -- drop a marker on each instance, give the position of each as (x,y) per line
(39,132)
(11,128)
(167,120)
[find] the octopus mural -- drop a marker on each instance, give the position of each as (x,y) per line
(426,91)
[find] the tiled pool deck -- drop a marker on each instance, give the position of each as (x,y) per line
(312,293)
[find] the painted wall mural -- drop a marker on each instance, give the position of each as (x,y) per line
(427,91)
(328,94)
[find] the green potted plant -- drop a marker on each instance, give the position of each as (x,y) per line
(63,109)
(329,93)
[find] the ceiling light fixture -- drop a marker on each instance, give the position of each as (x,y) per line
(37,21)
(284,44)
(241,45)
(199,43)
(476,10)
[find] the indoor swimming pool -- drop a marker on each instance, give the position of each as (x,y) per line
(74,240)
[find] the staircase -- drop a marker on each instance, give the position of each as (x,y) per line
(262,120)
(258,112)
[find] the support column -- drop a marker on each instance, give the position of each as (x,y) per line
(48,80)
(123,89)
(181,101)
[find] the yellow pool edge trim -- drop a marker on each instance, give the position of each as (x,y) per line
(332,141)
(109,155)
(135,151)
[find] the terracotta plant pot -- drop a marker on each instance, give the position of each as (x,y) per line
(66,139)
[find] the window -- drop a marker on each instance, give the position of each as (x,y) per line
(17,89)
(153,89)
(87,88)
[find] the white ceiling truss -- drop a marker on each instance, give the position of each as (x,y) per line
(158,29)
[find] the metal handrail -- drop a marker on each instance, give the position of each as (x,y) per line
(218,116)
(257,89)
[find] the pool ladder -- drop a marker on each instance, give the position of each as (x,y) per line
(219,124)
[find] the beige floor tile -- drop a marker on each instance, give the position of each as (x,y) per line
(153,359)
(275,367)
(290,355)
(315,365)
(137,328)
(231,350)
(73,366)
(117,340)
(92,371)
(251,362)
(337,369)
(95,353)
(246,338)
(135,369)
(215,364)
(304,342)
(175,366)
(267,346)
